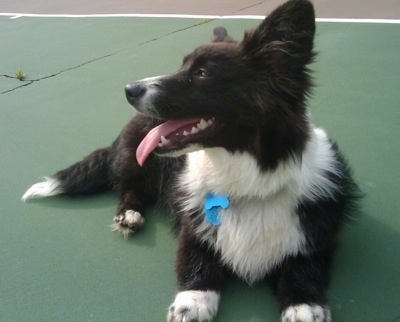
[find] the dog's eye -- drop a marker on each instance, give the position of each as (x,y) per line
(202,73)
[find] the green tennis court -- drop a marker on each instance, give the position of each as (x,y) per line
(59,259)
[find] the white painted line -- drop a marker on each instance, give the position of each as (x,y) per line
(242,17)
(133,15)
(394,21)
(181,16)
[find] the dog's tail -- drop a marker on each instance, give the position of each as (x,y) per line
(91,175)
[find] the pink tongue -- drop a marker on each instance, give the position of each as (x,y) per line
(151,140)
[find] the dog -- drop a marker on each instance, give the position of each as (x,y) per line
(227,146)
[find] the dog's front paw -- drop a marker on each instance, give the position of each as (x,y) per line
(128,222)
(194,306)
(306,313)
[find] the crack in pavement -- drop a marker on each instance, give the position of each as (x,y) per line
(31,81)
(250,6)
(178,30)
(28,82)
(200,23)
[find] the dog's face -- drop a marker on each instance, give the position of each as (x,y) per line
(239,96)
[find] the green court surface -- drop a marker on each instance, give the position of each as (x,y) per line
(59,259)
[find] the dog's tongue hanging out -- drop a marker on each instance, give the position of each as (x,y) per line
(153,138)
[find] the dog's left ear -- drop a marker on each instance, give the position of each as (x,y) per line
(285,38)
(220,34)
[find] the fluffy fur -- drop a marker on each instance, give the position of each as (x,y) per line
(232,121)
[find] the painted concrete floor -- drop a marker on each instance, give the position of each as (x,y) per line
(59,259)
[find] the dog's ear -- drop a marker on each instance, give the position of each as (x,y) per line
(284,38)
(220,34)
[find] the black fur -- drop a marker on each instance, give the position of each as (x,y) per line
(255,91)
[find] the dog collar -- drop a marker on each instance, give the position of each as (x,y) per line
(213,206)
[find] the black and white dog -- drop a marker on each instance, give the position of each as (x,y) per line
(227,146)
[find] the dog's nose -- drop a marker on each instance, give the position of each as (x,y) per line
(134,91)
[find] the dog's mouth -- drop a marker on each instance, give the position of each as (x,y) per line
(173,136)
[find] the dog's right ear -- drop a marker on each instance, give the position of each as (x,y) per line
(285,37)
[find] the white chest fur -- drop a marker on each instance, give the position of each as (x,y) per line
(255,235)
(260,228)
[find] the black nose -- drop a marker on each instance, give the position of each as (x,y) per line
(134,91)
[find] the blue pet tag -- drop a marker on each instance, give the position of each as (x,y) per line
(213,206)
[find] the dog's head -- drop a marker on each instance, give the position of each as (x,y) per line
(247,96)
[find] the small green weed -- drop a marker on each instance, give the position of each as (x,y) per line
(20,74)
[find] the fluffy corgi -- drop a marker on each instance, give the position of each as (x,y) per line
(226,145)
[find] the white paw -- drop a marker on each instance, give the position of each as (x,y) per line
(194,306)
(47,188)
(306,313)
(127,223)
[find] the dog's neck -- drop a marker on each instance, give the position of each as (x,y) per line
(239,176)
(236,175)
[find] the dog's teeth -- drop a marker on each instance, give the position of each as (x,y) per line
(210,121)
(194,130)
(186,133)
(164,140)
(202,125)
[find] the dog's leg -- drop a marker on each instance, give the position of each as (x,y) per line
(134,183)
(129,183)
(301,284)
(128,218)
(200,279)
